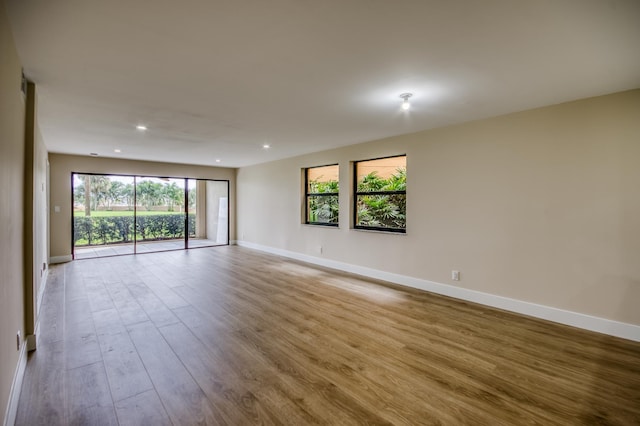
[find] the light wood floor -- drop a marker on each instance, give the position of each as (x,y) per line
(227,335)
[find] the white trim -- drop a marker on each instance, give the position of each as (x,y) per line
(43,285)
(60,259)
(575,319)
(30,342)
(14,396)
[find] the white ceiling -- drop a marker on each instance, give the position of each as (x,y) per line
(218,79)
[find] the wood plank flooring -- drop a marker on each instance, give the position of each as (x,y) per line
(231,336)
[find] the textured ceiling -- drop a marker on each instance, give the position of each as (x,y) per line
(218,79)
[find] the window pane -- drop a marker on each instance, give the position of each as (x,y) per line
(322,209)
(322,179)
(385,174)
(381,211)
(103,219)
(160,216)
(322,195)
(208,212)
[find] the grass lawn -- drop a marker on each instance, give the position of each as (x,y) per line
(104,213)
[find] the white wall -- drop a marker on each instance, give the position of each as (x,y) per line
(12,174)
(541,206)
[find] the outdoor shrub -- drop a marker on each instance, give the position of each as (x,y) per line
(123,228)
(175,225)
(192,225)
(119,229)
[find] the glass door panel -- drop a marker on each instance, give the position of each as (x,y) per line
(195,229)
(208,213)
(103,215)
(160,214)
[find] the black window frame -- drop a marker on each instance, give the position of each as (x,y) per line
(308,195)
(357,193)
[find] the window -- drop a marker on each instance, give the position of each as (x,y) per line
(321,192)
(380,194)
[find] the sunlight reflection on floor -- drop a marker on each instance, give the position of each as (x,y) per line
(366,289)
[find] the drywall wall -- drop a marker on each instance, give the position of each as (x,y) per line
(541,206)
(35,215)
(61,167)
(40,214)
(12,151)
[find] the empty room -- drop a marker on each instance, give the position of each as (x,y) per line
(336,212)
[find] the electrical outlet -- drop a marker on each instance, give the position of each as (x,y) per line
(18,341)
(320,249)
(455,275)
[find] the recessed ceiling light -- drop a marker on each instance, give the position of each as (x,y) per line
(266,146)
(217,160)
(118,150)
(93,154)
(141,127)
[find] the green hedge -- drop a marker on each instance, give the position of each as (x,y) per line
(120,229)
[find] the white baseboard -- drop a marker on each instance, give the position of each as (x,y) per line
(43,285)
(14,395)
(575,319)
(30,342)
(60,259)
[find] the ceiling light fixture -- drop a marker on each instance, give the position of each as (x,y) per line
(141,127)
(117,150)
(405,101)
(217,160)
(266,146)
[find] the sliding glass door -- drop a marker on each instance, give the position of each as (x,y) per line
(160,214)
(103,215)
(115,215)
